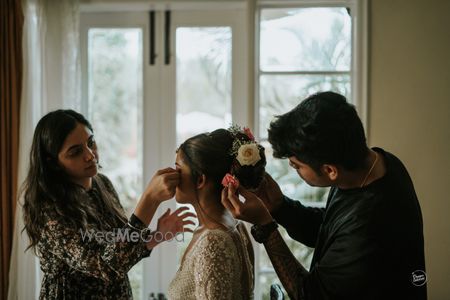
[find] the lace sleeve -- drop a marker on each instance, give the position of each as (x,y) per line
(213,268)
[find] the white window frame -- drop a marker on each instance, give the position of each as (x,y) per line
(359,60)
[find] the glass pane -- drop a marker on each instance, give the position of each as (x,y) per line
(267,278)
(203,79)
(115,110)
(305,39)
(281,93)
(203,84)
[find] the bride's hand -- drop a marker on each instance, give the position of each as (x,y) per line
(171,224)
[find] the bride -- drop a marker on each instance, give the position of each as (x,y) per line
(219,261)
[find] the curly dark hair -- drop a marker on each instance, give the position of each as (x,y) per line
(210,154)
(48,191)
(323,129)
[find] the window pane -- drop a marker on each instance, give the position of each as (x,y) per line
(203,85)
(281,93)
(305,39)
(115,110)
(203,80)
(267,279)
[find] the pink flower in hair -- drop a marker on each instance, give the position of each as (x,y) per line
(249,133)
(228,178)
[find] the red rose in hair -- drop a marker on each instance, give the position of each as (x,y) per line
(228,178)
(249,133)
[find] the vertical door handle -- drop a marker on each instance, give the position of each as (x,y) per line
(152,54)
(167,38)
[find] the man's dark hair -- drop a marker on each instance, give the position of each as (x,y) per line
(323,129)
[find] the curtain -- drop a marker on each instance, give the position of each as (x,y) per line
(11,25)
(51,81)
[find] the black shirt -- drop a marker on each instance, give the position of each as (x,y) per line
(368,241)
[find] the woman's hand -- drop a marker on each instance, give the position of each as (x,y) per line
(252,210)
(162,186)
(169,225)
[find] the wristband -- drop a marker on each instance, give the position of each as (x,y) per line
(261,233)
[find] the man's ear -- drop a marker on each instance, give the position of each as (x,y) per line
(331,171)
(201,182)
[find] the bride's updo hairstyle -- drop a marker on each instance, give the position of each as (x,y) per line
(233,151)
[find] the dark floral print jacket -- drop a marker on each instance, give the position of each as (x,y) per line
(77,266)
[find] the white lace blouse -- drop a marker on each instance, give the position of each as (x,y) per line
(219,265)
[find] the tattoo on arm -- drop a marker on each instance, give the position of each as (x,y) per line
(289,270)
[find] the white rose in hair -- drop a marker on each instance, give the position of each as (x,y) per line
(248,154)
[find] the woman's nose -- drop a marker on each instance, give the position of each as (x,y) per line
(90,155)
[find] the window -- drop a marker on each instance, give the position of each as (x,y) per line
(302,50)
(141,111)
(203,80)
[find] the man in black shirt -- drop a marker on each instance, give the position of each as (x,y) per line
(369,238)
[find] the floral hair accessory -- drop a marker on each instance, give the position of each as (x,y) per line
(248,154)
(249,133)
(228,178)
(246,151)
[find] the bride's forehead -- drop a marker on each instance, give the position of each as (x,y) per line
(179,158)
